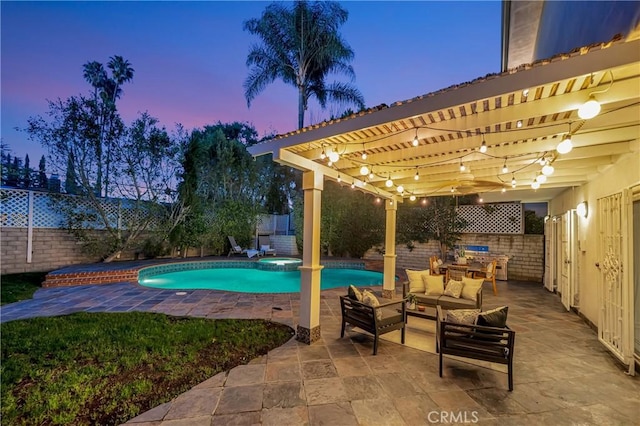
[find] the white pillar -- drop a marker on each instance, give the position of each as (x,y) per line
(389,282)
(308,330)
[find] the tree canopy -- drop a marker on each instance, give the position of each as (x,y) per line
(302,46)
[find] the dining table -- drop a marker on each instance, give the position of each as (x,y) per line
(471,269)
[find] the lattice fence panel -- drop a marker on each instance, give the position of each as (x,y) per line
(503,218)
(44,213)
(14,208)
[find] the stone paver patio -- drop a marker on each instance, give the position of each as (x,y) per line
(562,374)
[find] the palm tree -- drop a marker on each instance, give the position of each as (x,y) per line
(302,46)
(106,90)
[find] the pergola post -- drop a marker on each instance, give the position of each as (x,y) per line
(308,330)
(389,281)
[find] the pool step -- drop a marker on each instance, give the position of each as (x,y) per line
(88,278)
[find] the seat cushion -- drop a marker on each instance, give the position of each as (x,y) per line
(448,302)
(428,300)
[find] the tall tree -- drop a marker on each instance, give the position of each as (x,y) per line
(106,90)
(26,173)
(302,46)
(43,182)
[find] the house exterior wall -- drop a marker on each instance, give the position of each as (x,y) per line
(622,175)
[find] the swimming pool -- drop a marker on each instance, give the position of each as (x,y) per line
(250,277)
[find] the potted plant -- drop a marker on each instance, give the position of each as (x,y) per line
(411,301)
(462,258)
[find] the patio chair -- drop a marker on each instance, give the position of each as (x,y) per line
(455,272)
(489,275)
(264,245)
(236,249)
(434,266)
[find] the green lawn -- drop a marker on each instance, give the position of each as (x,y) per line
(16,287)
(105,368)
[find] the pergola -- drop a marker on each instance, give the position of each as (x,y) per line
(418,147)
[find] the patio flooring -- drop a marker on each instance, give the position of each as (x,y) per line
(562,374)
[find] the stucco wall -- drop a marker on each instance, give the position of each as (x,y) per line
(624,174)
(526,253)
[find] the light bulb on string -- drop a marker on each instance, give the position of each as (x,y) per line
(334,156)
(565,146)
(339,178)
(483,147)
(415,139)
(535,184)
(364,170)
(412,197)
(503,190)
(364,155)
(541,178)
(513,181)
(505,169)
(462,167)
(388,183)
(323,155)
(400,189)
(416,176)
(548,169)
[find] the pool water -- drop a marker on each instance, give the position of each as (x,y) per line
(257,281)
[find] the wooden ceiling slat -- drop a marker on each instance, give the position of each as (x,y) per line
(463,111)
(498,102)
(554,89)
(485,105)
(431,118)
(538,93)
(474,107)
(510,99)
(452,114)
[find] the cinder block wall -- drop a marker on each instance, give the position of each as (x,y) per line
(285,245)
(52,249)
(526,253)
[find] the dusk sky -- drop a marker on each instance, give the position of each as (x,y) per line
(189,58)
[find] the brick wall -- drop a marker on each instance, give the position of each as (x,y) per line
(526,253)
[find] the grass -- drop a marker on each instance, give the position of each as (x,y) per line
(106,368)
(16,287)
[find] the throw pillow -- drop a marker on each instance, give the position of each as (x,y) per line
(462,316)
(370,299)
(354,293)
(415,280)
(434,285)
(471,287)
(494,318)
(453,289)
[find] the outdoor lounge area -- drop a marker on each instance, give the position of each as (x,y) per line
(562,374)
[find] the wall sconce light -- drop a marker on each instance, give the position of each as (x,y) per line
(582,209)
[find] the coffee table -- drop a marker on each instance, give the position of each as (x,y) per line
(428,313)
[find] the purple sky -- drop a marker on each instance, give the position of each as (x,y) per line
(189,58)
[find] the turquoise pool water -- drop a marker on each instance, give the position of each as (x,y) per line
(248,280)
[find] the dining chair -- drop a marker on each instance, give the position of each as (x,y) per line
(489,274)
